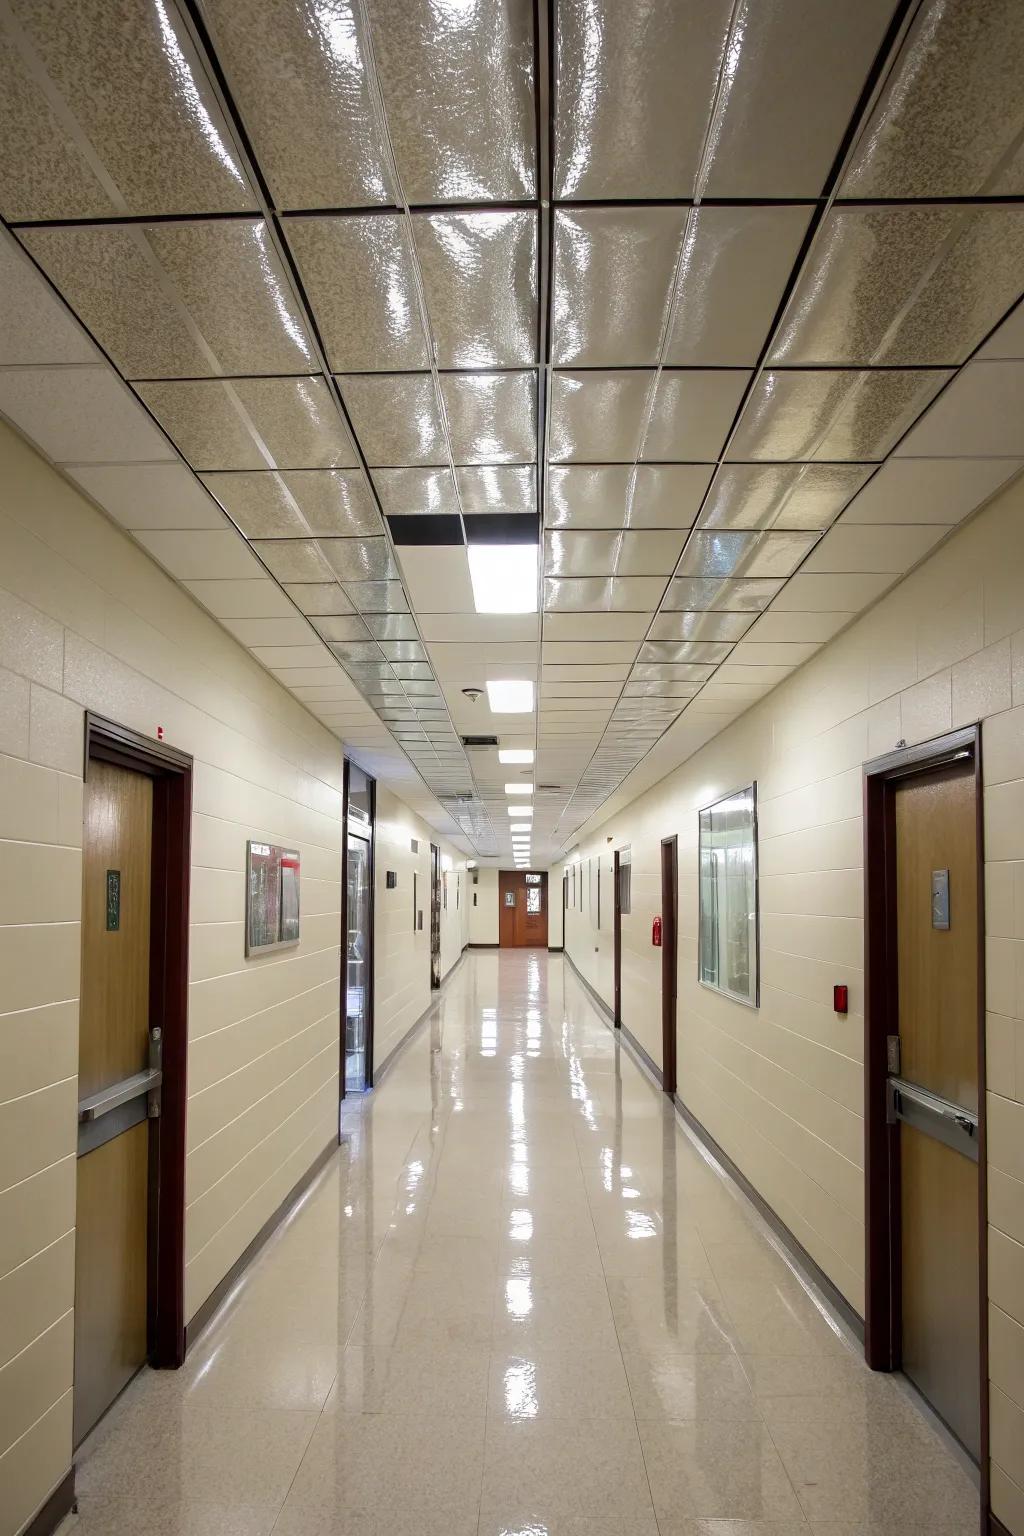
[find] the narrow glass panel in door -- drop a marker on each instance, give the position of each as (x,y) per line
(357,980)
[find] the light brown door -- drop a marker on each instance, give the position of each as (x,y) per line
(114,1066)
(933,1091)
(522,909)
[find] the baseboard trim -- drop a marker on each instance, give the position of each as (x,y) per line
(483,946)
(648,1061)
(556,949)
(393,1054)
(598,999)
(60,1503)
(796,1250)
(194,1328)
(633,1044)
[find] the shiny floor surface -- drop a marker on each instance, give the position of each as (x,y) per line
(520,1302)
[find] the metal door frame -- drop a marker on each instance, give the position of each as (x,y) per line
(435,914)
(881,1012)
(616,939)
(669,959)
(343,953)
(171,773)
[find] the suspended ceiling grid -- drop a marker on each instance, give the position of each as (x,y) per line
(368,266)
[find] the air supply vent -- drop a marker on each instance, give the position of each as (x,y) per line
(478,743)
(548,786)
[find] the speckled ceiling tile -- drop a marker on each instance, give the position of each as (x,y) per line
(295,418)
(296,503)
(849,415)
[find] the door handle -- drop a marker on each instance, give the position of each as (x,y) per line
(99,1104)
(946,1122)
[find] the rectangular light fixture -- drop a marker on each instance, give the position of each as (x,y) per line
(510,696)
(515,755)
(521,826)
(504,577)
(520,810)
(519,789)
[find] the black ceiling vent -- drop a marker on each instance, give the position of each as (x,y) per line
(479,741)
(548,786)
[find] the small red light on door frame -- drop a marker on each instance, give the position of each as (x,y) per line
(841,999)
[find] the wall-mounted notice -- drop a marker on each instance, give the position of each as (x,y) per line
(271,897)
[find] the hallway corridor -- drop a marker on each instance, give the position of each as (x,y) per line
(520,1302)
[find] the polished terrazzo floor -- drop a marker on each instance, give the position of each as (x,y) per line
(520,1302)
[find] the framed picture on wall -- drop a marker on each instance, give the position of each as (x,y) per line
(728,948)
(271,897)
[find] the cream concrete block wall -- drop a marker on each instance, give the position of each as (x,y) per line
(483,918)
(401,973)
(781,1088)
(87,621)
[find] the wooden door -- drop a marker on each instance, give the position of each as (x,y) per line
(522,909)
(111,1243)
(934,1092)
(669,961)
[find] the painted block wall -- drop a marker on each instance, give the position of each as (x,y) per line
(781,1088)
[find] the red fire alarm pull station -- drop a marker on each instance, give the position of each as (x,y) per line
(656,933)
(841,999)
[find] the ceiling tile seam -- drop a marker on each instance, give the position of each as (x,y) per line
(544,94)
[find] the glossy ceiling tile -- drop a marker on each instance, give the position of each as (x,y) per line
(294,559)
(296,503)
(634,103)
(725,552)
(640,593)
(349,629)
(614,554)
(744,595)
(359,276)
(781,495)
(137,106)
(377,596)
(318,597)
(359,559)
(179,300)
(736,263)
(701,626)
(675,652)
(666,672)
(904,286)
(416,492)
(392,626)
(396,418)
(949,120)
(612,279)
(298,73)
(457,82)
(480,283)
(693,413)
(851,415)
(222,425)
(597,495)
(492,417)
(596,417)
(497,488)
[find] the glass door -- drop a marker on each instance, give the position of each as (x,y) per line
(357,972)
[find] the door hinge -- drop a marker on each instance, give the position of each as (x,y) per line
(892,1055)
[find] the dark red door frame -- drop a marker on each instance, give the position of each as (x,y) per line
(171,772)
(669,960)
(616,939)
(881,1019)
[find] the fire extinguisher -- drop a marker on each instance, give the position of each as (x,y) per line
(656,933)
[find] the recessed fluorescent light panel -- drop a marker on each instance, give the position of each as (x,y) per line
(504,577)
(519,789)
(520,810)
(510,696)
(515,755)
(521,826)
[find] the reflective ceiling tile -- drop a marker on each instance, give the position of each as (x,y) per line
(413,671)
(597,495)
(350,628)
(612,278)
(480,281)
(318,597)
(492,417)
(596,417)
(648,672)
(377,672)
(736,265)
(639,593)
(392,626)
(781,496)
(220,425)
(415,492)
(693,413)
(360,279)
(693,593)
(81,416)
(497,488)
(674,652)
(700,626)
(949,120)
(403,650)
(35,327)
(133,84)
(299,76)
(617,554)
(296,503)
(359,559)
(633,102)
(377,596)
(904,285)
(852,415)
(299,560)
(396,417)
(722,552)
(149,495)
(457,82)
(659,690)
(928,490)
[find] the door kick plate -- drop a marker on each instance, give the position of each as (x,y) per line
(947,1122)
